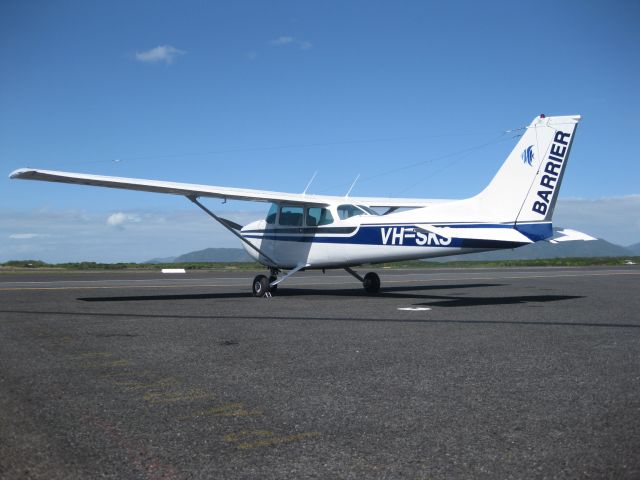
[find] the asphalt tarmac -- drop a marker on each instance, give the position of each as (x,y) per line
(476,373)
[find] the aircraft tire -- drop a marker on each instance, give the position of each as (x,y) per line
(371,283)
(260,286)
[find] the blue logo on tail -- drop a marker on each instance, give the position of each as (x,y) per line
(527,155)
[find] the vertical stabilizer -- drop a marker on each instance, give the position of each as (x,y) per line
(541,199)
(526,187)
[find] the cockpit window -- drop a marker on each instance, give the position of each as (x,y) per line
(271,216)
(291,216)
(348,211)
(317,216)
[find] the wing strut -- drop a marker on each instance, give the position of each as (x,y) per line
(299,267)
(231,226)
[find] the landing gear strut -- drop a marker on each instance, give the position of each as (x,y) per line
(370,282)
(273,288)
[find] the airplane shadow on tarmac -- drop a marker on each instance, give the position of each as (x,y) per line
(389,292)
(415,293)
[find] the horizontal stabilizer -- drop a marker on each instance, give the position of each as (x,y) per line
(568,235)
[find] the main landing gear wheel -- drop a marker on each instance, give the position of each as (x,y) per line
(260,286)
(371,283)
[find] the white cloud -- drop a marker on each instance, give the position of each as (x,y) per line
(291,41)
(118,219)
(162,53)
(283,40)
(27,236)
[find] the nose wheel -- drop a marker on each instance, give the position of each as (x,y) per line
(370,282)
(262,287)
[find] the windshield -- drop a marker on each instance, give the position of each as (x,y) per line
(271,216)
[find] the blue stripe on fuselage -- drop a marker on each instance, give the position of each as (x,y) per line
(406,235)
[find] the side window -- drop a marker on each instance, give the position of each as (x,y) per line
(291,216)
(317,216)
(271,216)
(348,211)
(370,211)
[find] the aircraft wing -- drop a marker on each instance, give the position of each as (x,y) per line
(195,190)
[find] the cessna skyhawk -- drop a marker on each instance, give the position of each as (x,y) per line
(304,231)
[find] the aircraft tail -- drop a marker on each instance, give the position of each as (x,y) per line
(525,189)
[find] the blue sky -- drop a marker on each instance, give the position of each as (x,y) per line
(263,94)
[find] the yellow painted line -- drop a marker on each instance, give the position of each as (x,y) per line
(115,363)
(264,438)
(133,385)
(243,434)
(177,396)
(84,356)
(266,442)
(141,374)
(228,410)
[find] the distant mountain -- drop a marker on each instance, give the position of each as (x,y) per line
(635,248)
(161,260)
(215,255)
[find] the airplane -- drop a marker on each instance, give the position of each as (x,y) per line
(305,231)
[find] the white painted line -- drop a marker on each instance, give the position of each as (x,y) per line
(173,270)
(17,286)
(414,309)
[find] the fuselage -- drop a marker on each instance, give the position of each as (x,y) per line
(345,235)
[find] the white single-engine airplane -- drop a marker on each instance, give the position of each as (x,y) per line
(304,231)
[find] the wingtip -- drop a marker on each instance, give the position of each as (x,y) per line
(18,173)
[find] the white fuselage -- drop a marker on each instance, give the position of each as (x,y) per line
(356,240)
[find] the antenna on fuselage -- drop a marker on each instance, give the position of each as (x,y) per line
(310,182)
(352,185)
